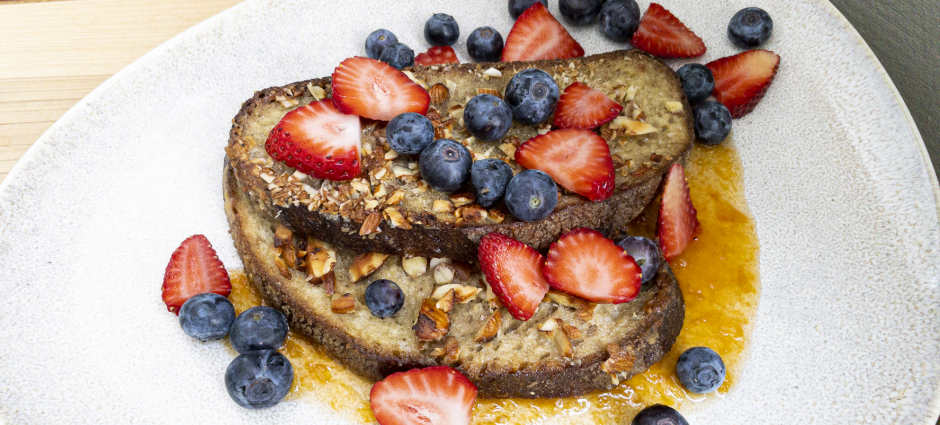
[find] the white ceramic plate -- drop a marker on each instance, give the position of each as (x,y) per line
(846,205)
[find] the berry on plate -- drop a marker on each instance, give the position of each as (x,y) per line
(378,41)
(437,55)
(741,80)
(384,298)
(409,133)
(398,56)
(441,30)
(712,122)
(659,414)
(487,117)
(645,252)
(532,96)
(531,195)
(485,44)
(538,35)
(662,34)
(373,89)
(258,328)
(194,268)
(445,165)
(700,370)
(580,106)
(490,177)
(259,379)
(577,159)
(697,82)
(619,19)
(514,273)
(677,223)
(586,264)
(436,395)
(750,27)
(207,316)
(580,12)
(319,140)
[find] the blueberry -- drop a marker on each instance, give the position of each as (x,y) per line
(490,177)
(207,316)
(516,7)
(445,165)
(258,328)
(259,379)
(532,95)
(409,133)
(700,370)
(485,44)
(659,414)
(619,19)
(384,298)
(712,122)
(697,82)
(398,55)
(487,117)
(378,41)
(750,27)
(580,12)
(441,30)
(531,195)
(646,254)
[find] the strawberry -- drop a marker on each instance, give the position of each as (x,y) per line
(577,159)
(373,89)
(538,35)
(580,106)
(318,140)
(677,222)
(436,395)
(194,269)
(586,264)
(514,272)
(662,34)
(437,55)
(741,80)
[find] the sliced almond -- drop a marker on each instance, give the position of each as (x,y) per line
(400,171)
(415,266)
(436,261)
(282,236)
(317,92)
(329,283)
(371,223)
(439,94)
(432,323)
(490,296)
(564,344)
(395,198)
(446,302)
(360,186)
(632,128)
(549,325)
(571,331)
(508,149)
(443,274)
(442,206)
(494,92)
(320,257)
(490,329)
(495,216)
(344,304)
(462,293)
(455,111)
(620,360)
(396,219)
(473,213)
(492,72)
(451,349)
(461,199)
(290,255)
(380,191)
(282,267)
(390,155)
(674,107)
(366,264)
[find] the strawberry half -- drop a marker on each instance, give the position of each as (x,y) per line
(662,34)
(437,55)
(514,272)
(437,395)
(580,106)
(741,80)
(194,269)
(677,222)
(586,264)
(373,89)
(318,140)
(538,35)
(577,159)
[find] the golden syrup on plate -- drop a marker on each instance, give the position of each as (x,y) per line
(718,274)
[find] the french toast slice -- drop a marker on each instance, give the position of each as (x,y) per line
(606,343)
(390,209)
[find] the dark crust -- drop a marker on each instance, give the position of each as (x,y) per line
(666,311)
(438,239)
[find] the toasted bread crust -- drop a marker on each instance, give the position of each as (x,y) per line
(431,236)
(659,324)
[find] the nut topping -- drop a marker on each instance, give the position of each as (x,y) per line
(461,199)
(371,223)
(415,266)
(320,258)
(443,274)
(490,329)
(282,235)
(432,323)
(620,360)
(462,293)
(439,94)
(344,304)
(366,264)
(446,303)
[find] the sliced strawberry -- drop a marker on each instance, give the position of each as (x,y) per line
(677,222)
(514,272)
(538,35)
(577,159)
(194,269)
(662,34)
(437,55)
(373,89)
(318,140)
(586,264)
(741,80)
(437,395)
(580,106)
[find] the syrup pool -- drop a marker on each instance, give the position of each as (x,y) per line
(718,274)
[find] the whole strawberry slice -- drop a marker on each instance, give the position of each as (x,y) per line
(437,55)
(580,106)
(538,35)
(194,269)
(662,34)
(514,272)
(586,264)
(373,89)
(741,80)
(577,159)
(318,140)
(436,395)
(677,222)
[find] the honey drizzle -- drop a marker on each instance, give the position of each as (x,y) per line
(718,274)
